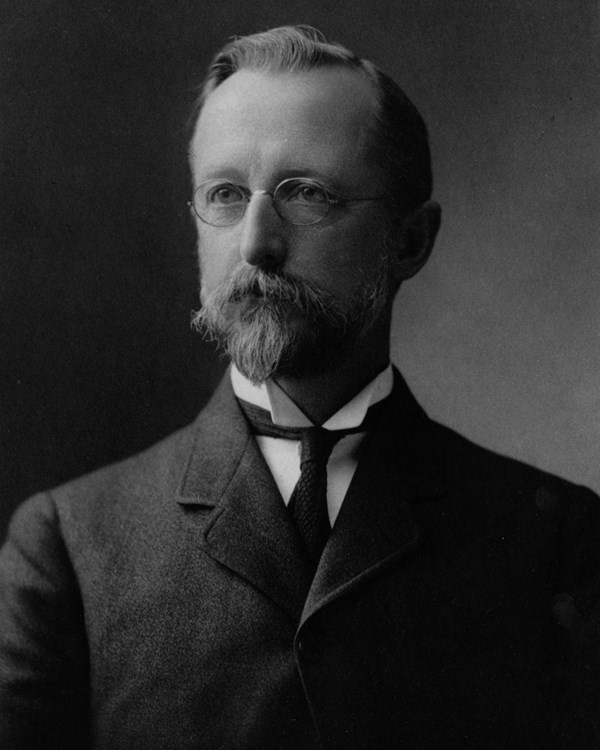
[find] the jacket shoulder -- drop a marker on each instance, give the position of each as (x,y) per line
(155,471)
(103,504)
(464,461)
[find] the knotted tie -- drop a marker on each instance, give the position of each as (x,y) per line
(308,503)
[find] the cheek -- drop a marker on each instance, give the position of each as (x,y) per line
(351,256)
(216,259)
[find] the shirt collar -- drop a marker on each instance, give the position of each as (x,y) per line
(284,411)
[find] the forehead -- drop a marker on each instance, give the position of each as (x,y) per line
(259,122)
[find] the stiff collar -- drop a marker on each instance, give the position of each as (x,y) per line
(286,413)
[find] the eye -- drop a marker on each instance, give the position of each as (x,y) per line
(224,195)
(305,192)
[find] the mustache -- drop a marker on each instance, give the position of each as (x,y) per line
(278,287)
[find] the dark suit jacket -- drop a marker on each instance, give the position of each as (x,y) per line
(165,602)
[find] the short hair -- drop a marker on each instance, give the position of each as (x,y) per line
(401,143)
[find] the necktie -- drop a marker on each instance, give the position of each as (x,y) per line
(308,503)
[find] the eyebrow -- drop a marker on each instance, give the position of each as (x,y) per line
(212,173)
(234,175)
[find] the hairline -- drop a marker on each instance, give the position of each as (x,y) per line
(372,140)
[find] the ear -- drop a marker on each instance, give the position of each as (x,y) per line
(416,239)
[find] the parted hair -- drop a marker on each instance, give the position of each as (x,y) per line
(400,140)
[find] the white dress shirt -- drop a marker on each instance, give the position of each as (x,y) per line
(283,456)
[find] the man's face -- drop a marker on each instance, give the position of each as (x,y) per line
(257,129)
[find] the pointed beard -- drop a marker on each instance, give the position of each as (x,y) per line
(273,324)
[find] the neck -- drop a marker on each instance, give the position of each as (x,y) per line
(322,394)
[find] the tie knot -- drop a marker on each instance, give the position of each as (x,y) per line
(317,444)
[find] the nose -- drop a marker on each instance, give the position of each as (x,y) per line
(262,241)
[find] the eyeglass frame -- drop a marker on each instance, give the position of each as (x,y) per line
(331,200)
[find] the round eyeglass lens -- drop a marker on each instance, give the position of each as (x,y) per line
(301,202)
(219,203)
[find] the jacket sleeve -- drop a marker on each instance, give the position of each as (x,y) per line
(43,653)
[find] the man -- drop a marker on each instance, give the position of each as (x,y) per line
(313,563)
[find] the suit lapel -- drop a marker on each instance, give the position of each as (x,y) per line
(376,524)
(249,530)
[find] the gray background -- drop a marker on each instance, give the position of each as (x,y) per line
(498,336)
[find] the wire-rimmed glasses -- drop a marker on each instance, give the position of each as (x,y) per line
(297,200)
